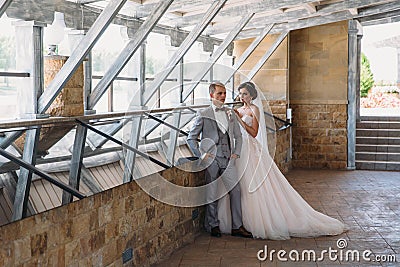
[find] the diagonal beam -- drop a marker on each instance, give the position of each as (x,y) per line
(248,51)
(25,176)
(77,56)
(218,53)
(185,46)
(3,6)
(126,54)
(267,55)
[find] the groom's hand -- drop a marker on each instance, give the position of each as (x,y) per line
(234,156)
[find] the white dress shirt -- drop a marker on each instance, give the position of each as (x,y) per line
(222,119)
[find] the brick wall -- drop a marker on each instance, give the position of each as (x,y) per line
(97,230)
(320,136)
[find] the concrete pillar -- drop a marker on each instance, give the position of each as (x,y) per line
(398,67)
(358,77)
(352,95)
(29,58)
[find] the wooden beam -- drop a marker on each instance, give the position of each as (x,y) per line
(205,67)
(340,16)
(386,15)
(4,4)
(353,11)
(25,175)
(267,55)
(127,52)
(80,52)
(295,16)
(76,162)
(187,43)
(381,21)
(310,7)
(238,11)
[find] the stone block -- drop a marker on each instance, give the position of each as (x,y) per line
(22,250)
(38,244)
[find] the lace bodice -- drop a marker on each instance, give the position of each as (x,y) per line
(247,119)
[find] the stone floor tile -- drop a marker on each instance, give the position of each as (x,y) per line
(366,201)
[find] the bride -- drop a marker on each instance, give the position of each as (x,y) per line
(271,208)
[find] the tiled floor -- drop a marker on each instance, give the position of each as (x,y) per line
(367,201)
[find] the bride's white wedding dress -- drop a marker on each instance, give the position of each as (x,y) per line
(274,210)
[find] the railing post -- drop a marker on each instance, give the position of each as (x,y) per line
(173,137)
(76,162)
(25,175)
(130,171)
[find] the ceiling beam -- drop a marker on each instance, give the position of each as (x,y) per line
(381,21)
(310,7)
(4,4)
(227,13)
(320,20)
(301,14)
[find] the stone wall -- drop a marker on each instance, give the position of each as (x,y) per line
(320,136)
(97,230)
(272,77)
(318,95)
(282,150)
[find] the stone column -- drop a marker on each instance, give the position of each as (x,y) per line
(398,67)
(352,95)
(358,92)
(29,58)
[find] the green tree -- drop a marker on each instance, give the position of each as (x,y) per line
(367,78)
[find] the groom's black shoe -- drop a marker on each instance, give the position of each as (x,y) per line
(241,232)
(215,231)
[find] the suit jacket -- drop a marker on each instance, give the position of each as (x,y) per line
(206,125)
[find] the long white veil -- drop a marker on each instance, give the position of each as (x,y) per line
(264,161)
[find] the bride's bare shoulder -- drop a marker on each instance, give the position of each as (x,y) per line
(255,110)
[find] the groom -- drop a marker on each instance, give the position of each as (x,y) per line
(214,124)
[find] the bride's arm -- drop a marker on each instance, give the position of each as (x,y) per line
(253,129)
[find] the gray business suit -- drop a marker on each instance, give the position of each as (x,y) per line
(215,142)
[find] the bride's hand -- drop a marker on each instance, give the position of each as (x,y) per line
(237,113)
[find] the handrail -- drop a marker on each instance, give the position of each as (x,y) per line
(109,137)
(72,120)
(14,74)
(42,174)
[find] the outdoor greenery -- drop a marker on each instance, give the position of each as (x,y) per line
(367,78)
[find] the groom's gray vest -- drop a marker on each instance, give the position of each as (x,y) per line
(223,145)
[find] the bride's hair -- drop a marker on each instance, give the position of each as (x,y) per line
(249,86)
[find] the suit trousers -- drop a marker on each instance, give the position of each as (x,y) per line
(224,168)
